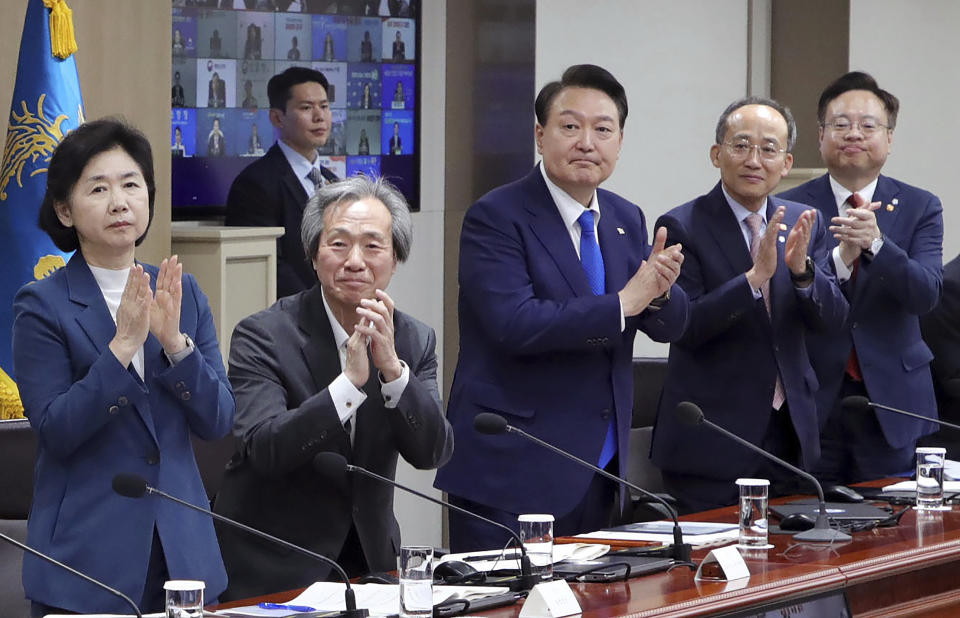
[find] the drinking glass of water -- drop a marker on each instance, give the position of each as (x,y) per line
(184,598)
(754,494)
(416,581)
(930,478)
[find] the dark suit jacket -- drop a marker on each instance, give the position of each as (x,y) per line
(268,193)
(728,358)
(941,331)
(889,294)
(281,362)
(94,419)
(538,347)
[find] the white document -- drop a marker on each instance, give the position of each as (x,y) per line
(697,533)
(948,486)
(381,599)
(510,558)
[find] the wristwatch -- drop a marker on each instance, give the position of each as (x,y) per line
(806,276)
(657,303)
(874,247)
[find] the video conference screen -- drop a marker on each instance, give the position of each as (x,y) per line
(225,51)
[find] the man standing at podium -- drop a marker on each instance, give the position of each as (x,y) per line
(757,276)
(887,255)
(273,190)
(556,276)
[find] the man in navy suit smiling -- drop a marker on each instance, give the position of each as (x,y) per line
(887,255)
(757,277)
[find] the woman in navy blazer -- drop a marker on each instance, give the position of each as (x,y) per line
(117,364)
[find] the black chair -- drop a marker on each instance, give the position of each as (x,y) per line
(648,378)
(212,458)
(18,448)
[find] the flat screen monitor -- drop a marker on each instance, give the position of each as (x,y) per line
(225,51)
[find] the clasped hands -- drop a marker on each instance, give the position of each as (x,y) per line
(856,231)
(374,328)
(794,252)
(143,311)
(654,277)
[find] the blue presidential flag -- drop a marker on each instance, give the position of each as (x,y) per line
(46,106)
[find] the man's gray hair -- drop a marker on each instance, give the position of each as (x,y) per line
(782,109)
(348,191)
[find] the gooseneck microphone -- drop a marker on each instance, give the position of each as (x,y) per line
(690,414)
(84,577)
(860,403)
(334,465)
(133,486)
(493,424)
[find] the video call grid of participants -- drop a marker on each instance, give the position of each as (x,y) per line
(225,51)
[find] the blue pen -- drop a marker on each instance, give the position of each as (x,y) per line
(292,608)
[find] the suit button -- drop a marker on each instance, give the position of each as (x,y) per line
(180,386)
(112,410)
(185,395)
(122,400)
(153,460)
(323,434)
(605,340)
(605,414)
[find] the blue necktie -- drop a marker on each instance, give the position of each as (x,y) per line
(593,266)
(590,254)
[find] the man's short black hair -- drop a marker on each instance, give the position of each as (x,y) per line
(280,85)
(858,80)
(582,76)
(70,158)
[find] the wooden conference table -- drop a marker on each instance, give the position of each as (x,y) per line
(909,570)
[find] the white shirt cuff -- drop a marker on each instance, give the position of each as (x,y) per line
(623,319)
(392,391)
(843,273)
(346,397)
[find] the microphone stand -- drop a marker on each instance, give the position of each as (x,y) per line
(86,578)
(487,422)
(325,463)
(861,403)
(350,600)
(690,413)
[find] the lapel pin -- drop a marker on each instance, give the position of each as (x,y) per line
(895,201)
(783,226)
(781,239)
(889,207)
(620,231)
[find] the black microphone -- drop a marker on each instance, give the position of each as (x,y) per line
(333,465)
(862,404)
(690,414)
(492,424)
(133,486)
(87,578)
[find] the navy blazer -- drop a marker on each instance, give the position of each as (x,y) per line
(538,347)
(728,359)
(95,418)
(890,292)
(268,193)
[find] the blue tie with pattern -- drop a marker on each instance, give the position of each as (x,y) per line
(592,262)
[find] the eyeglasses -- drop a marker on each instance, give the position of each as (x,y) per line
(742,150)
(867,126)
